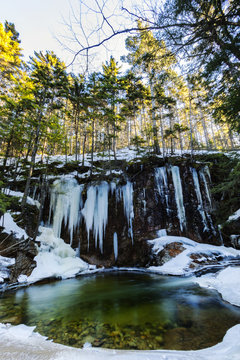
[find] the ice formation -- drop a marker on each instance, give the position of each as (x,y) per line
(179,196)
(95,212)
(162,183)
(115,245)
(127,194)
(55,259)
(199,198)
(203,177)
(65,205)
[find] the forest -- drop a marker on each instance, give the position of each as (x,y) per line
(156,103)
(124,184)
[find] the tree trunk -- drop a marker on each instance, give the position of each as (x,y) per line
(154,122)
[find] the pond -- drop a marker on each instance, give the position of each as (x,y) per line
(123,310)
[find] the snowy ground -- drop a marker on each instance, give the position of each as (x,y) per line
(21,343)
(127,154)
(10,227)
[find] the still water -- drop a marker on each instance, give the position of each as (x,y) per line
(123,311)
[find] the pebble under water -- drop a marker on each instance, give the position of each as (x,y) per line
(123,310)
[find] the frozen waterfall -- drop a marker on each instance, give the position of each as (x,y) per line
(115,245)
(127,194)
(199,197)
(179,196)
(95,212)
(162,183)
(65,205)
(203,177)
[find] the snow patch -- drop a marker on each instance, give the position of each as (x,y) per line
(179,265)
(235,216)
(226,282)
(10,227)
(22,343)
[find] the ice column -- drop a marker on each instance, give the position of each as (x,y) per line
(199,197)
(162,183)
(95,212)
(65,205)
(127,194)
(179,196)
(203,177)
(115,245)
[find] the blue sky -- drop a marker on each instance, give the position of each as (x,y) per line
(39,21)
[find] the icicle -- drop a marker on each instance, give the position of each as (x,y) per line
(203,177)
(115,245)
(162,184)
(127,194)
(101,213)
(88,210)
(179,196)
(95,212)
(113,187)
(199,197)
(65,204)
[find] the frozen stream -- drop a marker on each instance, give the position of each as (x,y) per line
(123,311)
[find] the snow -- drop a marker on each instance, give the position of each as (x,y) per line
(235,216)
(55,259)
(10,227)
(226,282)
(179,265)
(19,194)
(22,343)
(5,262)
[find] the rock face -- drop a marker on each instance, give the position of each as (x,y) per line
(109,221)
(22,250)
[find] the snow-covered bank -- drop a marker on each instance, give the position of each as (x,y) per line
(5,262)
(180,264)
(19,194)
(226,282)
(10,227)
(55,259)
(21,343)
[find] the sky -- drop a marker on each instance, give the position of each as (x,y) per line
(41,22)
